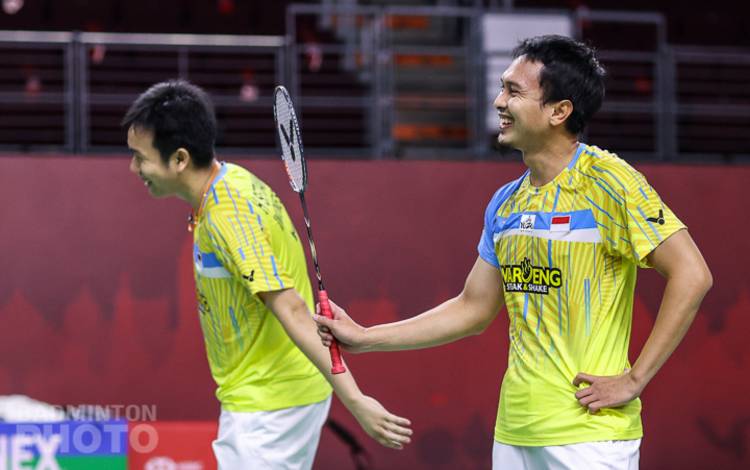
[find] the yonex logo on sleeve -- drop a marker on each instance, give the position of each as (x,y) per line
(660,220)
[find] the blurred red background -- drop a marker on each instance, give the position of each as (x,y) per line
(97,302)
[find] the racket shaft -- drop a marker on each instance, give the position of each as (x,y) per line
(325,309)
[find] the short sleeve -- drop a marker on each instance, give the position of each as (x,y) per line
(492,222)
(243,247)
(640,220)
(486,247)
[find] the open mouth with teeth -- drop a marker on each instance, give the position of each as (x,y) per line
(505,122)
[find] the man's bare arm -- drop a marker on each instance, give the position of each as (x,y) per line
(469,313)
(679,260)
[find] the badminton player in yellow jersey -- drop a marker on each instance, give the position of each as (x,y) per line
(560,249)
(254,295)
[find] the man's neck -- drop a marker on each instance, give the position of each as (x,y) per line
(195,183)
(549,160)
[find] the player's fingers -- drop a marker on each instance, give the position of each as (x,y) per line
(585,401)
(581,377)
(394,440)
(337,311)
(383,440)
(400,438)
(390,444)
(400,430)
(323,330)
(584,392)
(326,335)
(595,406)
(398,420)
(326,339)
(323,321)
(317,308)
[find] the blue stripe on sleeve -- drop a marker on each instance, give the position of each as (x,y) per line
(617,180)
(653,229)
(641,228)
(486,246)
(211,261)
(268,282)
(276,271)
(486,250)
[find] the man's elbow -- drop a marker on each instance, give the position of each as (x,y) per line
(474,321)
(699,279)
(479,330)
(481,326)
(287,305)
(705,279)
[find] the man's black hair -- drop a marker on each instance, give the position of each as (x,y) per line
(179,114)
(570,71)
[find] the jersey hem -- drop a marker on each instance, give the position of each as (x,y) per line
(577,439)
(271,405)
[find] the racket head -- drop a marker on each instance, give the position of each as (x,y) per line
(290,139)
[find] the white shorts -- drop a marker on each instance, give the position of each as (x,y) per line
(285,439)
(609,455)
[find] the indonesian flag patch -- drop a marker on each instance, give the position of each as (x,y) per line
(560,223)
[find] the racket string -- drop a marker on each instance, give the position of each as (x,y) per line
(290,140)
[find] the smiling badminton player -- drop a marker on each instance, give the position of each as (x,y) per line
(255,298)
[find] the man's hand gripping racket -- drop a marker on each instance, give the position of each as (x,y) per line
(292,154)
(341,329)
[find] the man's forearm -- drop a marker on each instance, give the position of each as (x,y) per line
(292,312)
(447,322)
(469,313)
(682,298)
(302,330)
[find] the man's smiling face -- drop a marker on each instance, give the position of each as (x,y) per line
(159,177)
(523,116)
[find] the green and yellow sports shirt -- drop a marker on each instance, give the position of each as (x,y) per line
(245,243)
(568,253)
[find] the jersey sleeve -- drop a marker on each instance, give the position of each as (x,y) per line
(486,247)
(243,246)
(640,220)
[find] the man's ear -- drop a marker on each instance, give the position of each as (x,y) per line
(561,111)
(180,158)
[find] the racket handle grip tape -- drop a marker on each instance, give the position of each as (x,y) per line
(325,309)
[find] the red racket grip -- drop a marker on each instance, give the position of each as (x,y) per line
(325,309)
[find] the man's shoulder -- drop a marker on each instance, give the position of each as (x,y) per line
(238,185)
(611,170)
(506,191)
(240,178)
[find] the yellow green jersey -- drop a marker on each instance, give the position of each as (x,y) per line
(245,243)
(568,253)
